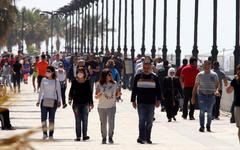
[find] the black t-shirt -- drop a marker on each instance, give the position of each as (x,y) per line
(236,85)
(119,65)
(17,68)
(93,65)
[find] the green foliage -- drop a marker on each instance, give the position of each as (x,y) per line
(33,51)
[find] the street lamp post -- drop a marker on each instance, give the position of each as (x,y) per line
(22,30)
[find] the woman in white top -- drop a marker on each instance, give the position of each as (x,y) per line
(50,98)
(107,92)
(62,77)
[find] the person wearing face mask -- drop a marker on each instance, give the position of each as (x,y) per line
(49,99)
(17,70)
(80,96)
(6,72)
(171,92)
(62,77)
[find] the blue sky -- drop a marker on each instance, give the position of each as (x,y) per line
(226,23)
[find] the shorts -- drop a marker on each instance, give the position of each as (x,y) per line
(237,115)
(35,74)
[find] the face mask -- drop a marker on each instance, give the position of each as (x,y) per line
(48,74)
(80,75)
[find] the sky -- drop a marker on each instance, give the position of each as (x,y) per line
(226,24)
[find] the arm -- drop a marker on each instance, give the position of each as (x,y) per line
(58,90)
(181,78)
(98,93)
(194,92)
(229,89)
(159,94)
(225,81)
(66,78)
(40,95)
(90,95)
(134,93)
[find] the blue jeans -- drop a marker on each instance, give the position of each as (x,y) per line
(44,113)
(81,118)
(6,80)
(126,81)
(92,81)
(146,114)
(206,103)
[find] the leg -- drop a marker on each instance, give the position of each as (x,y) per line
(6,120)
(52,112)
(216,106)
(168,108)
(150,114)
(142,121)
(202,107)
(111,121)
(33,82)
(239,134)
(63,91)
(103,120)
(18,82)
(210,102)
(9,82)
(185,103)
(85,119)
(44,112)
(14,82)
(77,120)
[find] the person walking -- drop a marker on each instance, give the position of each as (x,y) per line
(17,71)
(207,87)
(73,69)
(41,68)
(49,99)
(62,77)
(26,70)
(235,86)
(80,95)
(172,91)
(221,77)
(35,72)
(187,77)
(146,88)
(6,73)
(107,92)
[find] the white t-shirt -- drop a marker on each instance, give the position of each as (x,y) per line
(108,98)
(55,64)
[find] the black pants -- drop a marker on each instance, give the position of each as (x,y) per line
(4,117)
(63,91)
(216,106)
(16,81)
(187,92)
(39,79)
(170,108)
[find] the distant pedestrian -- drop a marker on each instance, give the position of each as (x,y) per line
(6,74)
(49,99)
(26,70)
(188,76)
(62,77)
(41,68)
(207,87)
(235,86)
(221,77)
(107,92)
(35,73)
(80,95)
(172,91)
(17,71)
(146,88)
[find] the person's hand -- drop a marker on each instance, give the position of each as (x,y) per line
(236,77)
(193,100)
(91,106)
(157,104)
(37,104)
(59,104)
(217,93)
(98,95)
(134,104)
(14,73)
(70,102)
(119,94)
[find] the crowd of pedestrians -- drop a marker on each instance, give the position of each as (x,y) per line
(153,82)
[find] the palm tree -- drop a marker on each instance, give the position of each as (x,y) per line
(8,12)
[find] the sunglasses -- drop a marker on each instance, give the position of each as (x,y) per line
(49,71)
(110,74)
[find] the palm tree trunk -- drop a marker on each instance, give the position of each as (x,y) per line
(58,43)
(47,43)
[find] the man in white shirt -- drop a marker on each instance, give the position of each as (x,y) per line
(56,62)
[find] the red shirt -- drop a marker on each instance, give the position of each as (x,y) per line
(42,68)
(189,72)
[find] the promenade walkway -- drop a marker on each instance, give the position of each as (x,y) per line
(179,135)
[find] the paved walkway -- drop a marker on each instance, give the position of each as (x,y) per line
(180,135)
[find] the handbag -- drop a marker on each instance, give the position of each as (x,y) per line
(49,102)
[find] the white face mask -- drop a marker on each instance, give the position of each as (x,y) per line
(80,75)
(48,74)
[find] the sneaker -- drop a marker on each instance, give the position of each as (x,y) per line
(86,138)
(51,138)
(64,106)
(201,129)
(77,139)
(140,141)
(184,117)
(110,140)
(217,118)
(169,120)
(104,141)
(174,119)
(192,118)
(149,141)
(45,136)
(208,129)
